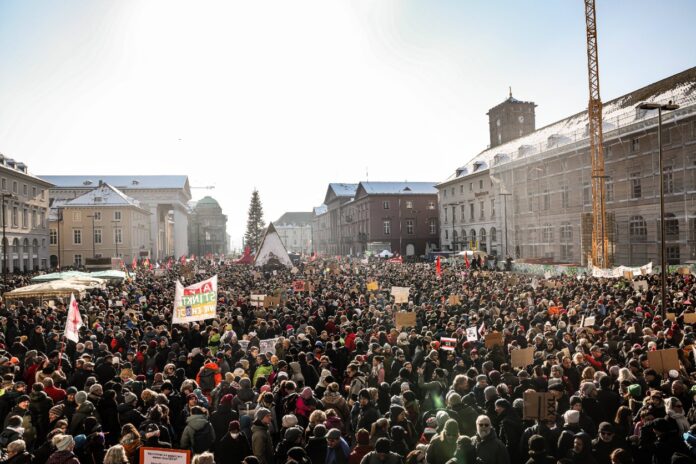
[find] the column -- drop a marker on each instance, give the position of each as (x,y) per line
(180,233)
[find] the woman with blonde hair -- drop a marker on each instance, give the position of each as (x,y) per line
(131,443)
(116,455)
(587,374)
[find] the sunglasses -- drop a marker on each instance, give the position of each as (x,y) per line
(484,425)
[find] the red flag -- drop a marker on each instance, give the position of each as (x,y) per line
(73,322)
(151,266)
(183,259)
(134,263)
(438,268)
(169,263)
(466,261)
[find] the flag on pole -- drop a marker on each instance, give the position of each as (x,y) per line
(466,261)
(183,259)
(134,264)
(438,268)
(74,321)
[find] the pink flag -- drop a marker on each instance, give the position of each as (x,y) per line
(73,322)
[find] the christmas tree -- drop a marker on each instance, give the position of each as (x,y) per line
(255,225)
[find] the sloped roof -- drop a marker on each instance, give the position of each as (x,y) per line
(619,112)
(398,188)
(296,218)
(343,190)
(272,249)
(121,182)
(321,209)
(103,195)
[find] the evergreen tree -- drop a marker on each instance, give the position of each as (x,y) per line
(255,225)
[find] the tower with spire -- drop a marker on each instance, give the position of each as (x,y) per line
(510,119)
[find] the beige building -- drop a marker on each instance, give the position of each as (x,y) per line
(24,218)
(103,222)
(295,231)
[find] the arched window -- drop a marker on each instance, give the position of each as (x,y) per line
(472,238)
(464,238)
(671,227)
(494,235)
(482,239)
(637,229)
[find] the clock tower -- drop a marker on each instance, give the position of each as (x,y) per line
(510,119)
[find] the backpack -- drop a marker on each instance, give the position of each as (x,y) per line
(203,439)
(207,379)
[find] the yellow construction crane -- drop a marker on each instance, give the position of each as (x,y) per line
(600,255)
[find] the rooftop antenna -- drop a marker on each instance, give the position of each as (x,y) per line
(367,174)
(510,89)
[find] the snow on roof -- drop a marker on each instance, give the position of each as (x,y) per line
(343,190)
(321,209)
(121,182)
(620,112)
(295,219)
(399,188)
(103,195)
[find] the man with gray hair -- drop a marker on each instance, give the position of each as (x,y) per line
(489,448)
(17,453)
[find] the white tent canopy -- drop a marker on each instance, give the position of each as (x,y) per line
(272,250)
(385,254)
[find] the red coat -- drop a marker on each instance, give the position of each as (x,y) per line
(350,342)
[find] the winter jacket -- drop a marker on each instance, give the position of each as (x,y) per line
(127,414)
(261,443)
(84,411)
(262,370)
(232,450)
(372,458)
(221,418)
(63,457)
(490,450)
(194,423)
(441,449)
(359,453)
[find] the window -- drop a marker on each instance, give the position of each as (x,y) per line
(77,236)
(609,185)
(480,184)
(471,186)
(431,205)
(492,207)
(566,242)
(454,214)
(530,202)
(672,254)
(34,219)
(97,236)
(666,135)
(547,234)
(409,226)
(608,151)
(564,196)
(409,205)
(33,192)
(15,217)
(482,239)
(97,215)
(471,212)
(635,145)
(42,218)
(387,227)
(53,237)
(586,194)
(25,218)
(668,179)
(637,229)
(76,216)
(636,191)
(385,205)
(671,227)
(118,236)
(547,200)
(462,212)
(444,193)
(78,260)
(461,189)
(43,192)
(494,235)
(482,206)
(446,235)
(433,227)
(117,215)
(3,184)
(25,190)
(444,211)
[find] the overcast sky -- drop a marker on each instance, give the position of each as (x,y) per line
(287,96)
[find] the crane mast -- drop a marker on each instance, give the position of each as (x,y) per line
(599,253)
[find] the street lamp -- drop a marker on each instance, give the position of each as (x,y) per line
(663,262)
(4,239)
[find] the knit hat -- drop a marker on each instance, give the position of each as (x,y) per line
(289,420)
(292,434)
(130,398)
(537,444)
(441,417)
(57,410)
(63,442)
(261,413)
(334,434)
(96,389)
(80,397)
(453,399)
(572,416)
(635,390)
(233,427)
(383,445)
(226,400)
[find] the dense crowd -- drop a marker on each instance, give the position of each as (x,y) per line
(338,383)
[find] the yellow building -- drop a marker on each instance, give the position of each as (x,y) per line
(103,222)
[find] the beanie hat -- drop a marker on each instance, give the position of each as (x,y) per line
(292,434)
(261,413)
(502,403)
(441,418)
(635,390)
(606,427)
(226,400)
(96,389)
(383,445)
(453,399)
(364,393)
(63,442)
(289,420)
(233,426)
(57,410)
(572,416)
(130,398)
(80,397)
(363,437)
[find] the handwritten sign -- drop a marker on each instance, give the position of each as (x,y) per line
(492,339)
(268,345)
(628,275)
(400,294)
(270,301)
(640,286)
(164,456)
(405,319)
(689,318)
(298,286)
(588,321)
(664,360)
(522,357)
(372,286)
(540,406)
(257,300)
(454,300)
(471,334)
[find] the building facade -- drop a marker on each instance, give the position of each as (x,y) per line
(207,228)
(101,223)
(295,231)
(25,200)
(545,179)
(165,197)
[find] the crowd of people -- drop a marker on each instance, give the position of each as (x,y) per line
(339,383)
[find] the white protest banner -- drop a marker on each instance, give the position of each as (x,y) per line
(448,344)
(400,294)
(535,283)
(267,345)
(196,302)
(150,455)
(588,321)
(74,321)
(640,286)
(257,300)
(471,334)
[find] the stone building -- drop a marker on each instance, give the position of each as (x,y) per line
(295,231)
(165,197)
(101,223)
(546,178)
(25,202)
(207,228)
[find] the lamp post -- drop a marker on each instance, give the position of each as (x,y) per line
(4,239)
(663,261)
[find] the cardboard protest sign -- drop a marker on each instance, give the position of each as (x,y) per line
(150,455)
(664,360)
(522,357)
(471,334)
(448,344)
(492,339)
(689,318)
(540,406)
(267,345)
(566,352)
(588,321)
(400,294)
(671,316)
(298,285)
(405,319)
(196,302)
(159,273)
(684,270)
(640,286)
(294,270)
(372,286)
(628,275)
(454,300)
(554,310)
(270,301)
(257,300)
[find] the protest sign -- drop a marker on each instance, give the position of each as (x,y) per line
(689,318)
(400,294)
(405,319)
(372,286)
(537,405)
(628,275)
(268,345)
(270,301)
(664,360)
(150,455)
(554,310)
(471,334)
(142,300)
(522,357)
(196,302)
(157,273)
(448,344)
(588,321)
(243,344)
(684,270)
(454,300)
(640,286)
(298,285)
(671,316)
(566,352)
(492,339)
(257,300)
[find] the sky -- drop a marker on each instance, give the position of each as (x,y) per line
(287,96)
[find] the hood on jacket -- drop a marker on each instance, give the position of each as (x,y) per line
(197,421)
(86,408)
